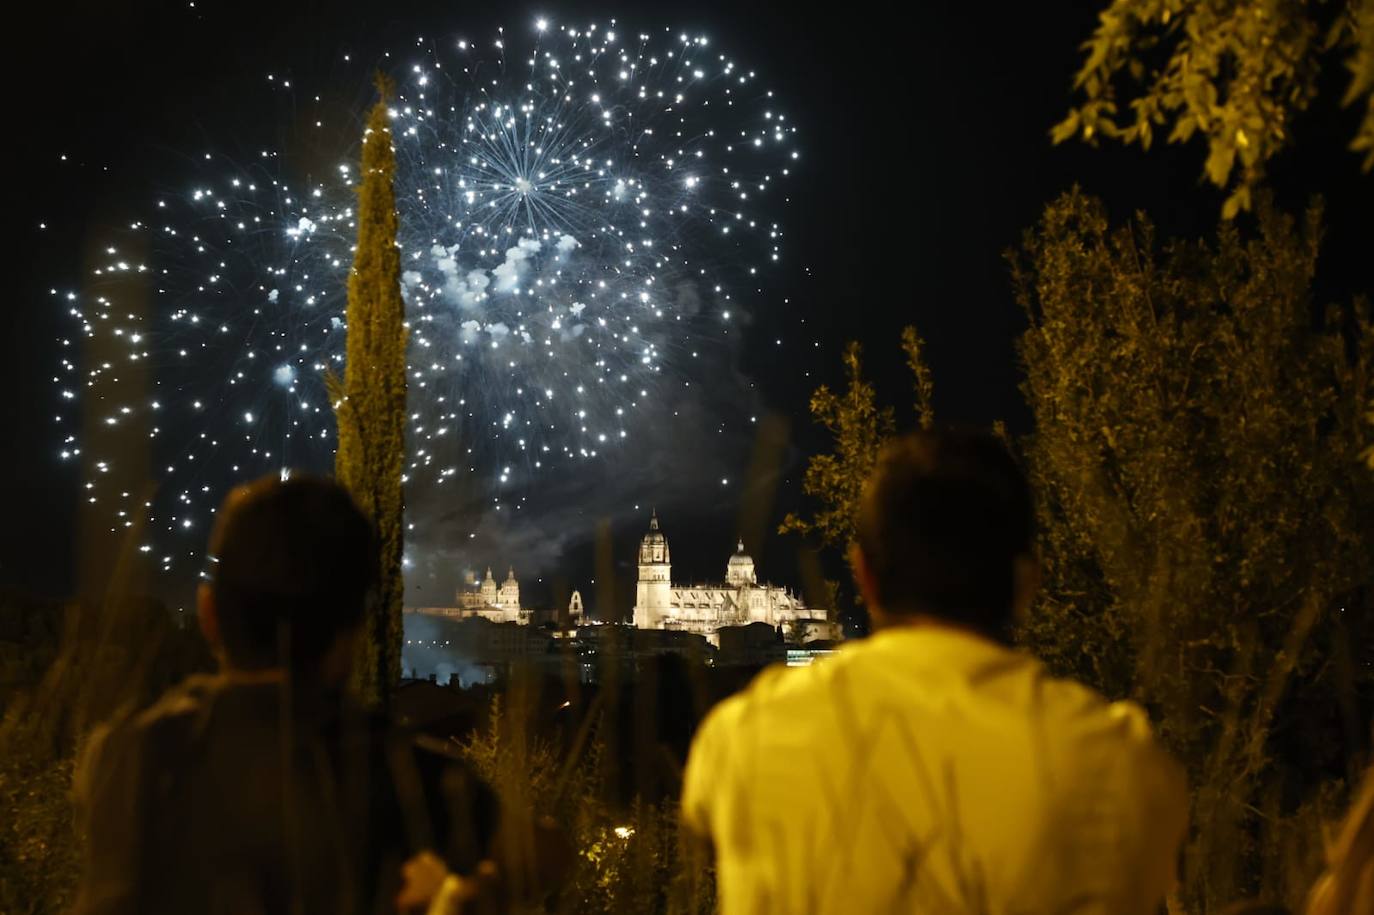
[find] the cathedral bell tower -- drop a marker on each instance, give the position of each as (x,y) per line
(653,590)
(510,593)
(488,590)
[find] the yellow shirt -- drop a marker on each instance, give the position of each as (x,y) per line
(928,770)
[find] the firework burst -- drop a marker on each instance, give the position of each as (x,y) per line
(578,220)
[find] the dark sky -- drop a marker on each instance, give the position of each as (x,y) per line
(927,153)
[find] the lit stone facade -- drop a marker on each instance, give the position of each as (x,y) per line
(500,604)
(706,608)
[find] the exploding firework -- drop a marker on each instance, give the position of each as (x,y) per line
(578,220)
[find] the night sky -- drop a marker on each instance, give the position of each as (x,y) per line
(926,154)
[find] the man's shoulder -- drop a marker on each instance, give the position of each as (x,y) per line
(133,724)
(776,690)
(853,672)
(1110,736)
(186,699)
(204,705)
(717,751)
(1082,710)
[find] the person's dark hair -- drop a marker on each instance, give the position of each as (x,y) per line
(941,522)
(292,563)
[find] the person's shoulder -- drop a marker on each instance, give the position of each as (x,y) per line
(717,749)
(779,683)
(184,698)
(118,747)
(174,709)
(721,717)
(1086,711)
(133,722)
(775,689)
(1119,731)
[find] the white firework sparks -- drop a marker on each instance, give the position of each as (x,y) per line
(574,222)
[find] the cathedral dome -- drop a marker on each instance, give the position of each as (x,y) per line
(740,568)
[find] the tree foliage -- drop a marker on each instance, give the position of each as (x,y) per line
(84,662)
(859,427)
(1361,66)
(370,402)
(627,857)
(1236,72)
(913,346)
(1206,518)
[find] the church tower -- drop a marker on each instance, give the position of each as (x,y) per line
(653,590)
(489,590)
(510,592)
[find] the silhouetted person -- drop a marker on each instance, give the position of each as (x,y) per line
(261,788)
(930,768)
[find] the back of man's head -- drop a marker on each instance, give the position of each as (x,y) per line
(292,567)
(942,523)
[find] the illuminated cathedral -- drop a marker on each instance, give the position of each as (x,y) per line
(498,604)
(705,608)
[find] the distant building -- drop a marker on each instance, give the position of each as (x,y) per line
(707,608)
(701,609)
(488,601)
(750,645)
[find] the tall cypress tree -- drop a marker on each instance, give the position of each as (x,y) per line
(370,402)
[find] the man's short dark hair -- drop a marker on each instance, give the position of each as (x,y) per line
(292,566)
(941,522)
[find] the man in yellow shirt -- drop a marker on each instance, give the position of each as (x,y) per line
(931,768)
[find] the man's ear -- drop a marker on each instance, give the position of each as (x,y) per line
(868,590)
(207,617)
(1025,584)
